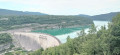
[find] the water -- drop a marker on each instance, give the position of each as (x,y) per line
(63,33)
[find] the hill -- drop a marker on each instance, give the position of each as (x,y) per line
(82,15)
(102,17)
(13,12)
(105,17)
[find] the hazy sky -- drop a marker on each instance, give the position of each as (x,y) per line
(63,7)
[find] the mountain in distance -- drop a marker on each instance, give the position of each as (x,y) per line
(105,17)
(102,17)
(82,15)
(13,12)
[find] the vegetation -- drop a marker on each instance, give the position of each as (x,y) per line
(16,53)
(102,42)
(5,38)
(5,42)
(11,22)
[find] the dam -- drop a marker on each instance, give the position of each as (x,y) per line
(33,41)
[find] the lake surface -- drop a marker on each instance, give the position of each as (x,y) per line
(63,33)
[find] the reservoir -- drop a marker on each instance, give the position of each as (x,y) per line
(63,33)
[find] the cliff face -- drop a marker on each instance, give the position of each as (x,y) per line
(34,41)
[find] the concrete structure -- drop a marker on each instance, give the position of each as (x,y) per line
(33,41)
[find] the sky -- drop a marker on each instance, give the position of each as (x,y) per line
(63,7)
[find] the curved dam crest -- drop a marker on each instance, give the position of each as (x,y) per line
(33,41)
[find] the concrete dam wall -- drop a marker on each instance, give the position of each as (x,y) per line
(33,41)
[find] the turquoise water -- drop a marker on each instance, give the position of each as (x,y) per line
(61,31)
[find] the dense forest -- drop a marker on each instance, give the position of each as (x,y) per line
(11,22)
(102,42)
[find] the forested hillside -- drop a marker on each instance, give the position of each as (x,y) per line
(12,12)
(105,17)
(102,42)
(11,22)
(101,17)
